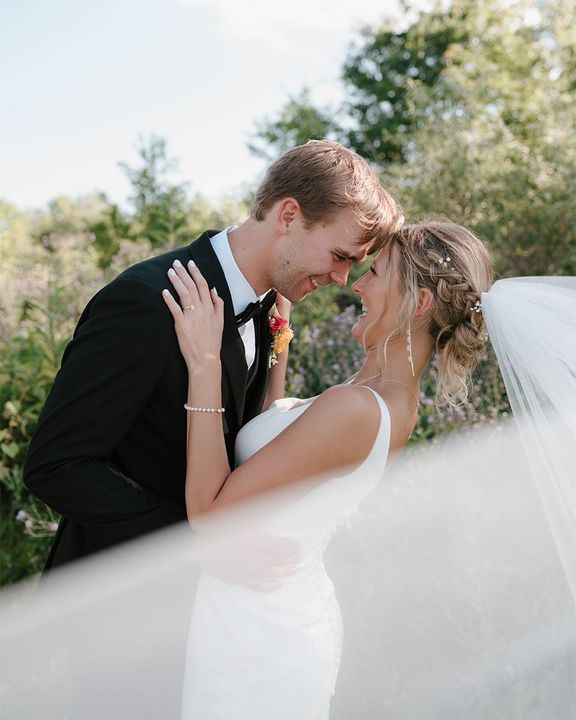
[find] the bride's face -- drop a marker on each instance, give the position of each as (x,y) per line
(381,300)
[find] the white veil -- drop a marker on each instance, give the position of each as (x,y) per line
(532,326)
(455,577)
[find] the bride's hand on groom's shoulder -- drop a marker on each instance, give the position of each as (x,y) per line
(198,317)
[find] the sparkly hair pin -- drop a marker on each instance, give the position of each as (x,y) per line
(477,307)
(444,263)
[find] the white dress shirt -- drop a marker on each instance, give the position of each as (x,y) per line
(241,291)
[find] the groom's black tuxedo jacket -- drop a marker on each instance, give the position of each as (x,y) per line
(109,452)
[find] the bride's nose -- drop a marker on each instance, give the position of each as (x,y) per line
(357,286)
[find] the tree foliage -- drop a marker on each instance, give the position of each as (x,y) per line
(296,123)
(496,151)
(160,212)
(468,113)
(378,75)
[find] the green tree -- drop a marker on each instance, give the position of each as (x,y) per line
(376,118)
(159,205)
(296,123)
(108,232)
(162,215)
(378,75)
(63,218)
(204,214)
(468,113)
(496,150)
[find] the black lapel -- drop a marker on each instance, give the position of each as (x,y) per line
(260,379)
(232,356)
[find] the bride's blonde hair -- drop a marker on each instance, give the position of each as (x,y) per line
(456,267)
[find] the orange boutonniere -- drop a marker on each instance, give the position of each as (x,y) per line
(281,333)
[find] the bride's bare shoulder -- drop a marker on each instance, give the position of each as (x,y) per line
(340,426)
(354,405)
(361,412)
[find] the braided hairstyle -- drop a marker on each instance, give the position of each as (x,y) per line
(455,265)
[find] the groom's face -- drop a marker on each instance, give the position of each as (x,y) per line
(318,255)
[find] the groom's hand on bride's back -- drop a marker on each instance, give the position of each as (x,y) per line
(259,562)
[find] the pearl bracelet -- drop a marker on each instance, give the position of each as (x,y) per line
(190,408)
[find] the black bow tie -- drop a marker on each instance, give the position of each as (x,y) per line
(254,309)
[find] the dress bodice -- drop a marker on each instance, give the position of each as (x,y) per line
(319,510)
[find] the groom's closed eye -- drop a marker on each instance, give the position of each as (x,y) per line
(342,255)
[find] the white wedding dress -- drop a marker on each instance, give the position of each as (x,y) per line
(258,655)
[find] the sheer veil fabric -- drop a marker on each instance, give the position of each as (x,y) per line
(532,326)
(455,577)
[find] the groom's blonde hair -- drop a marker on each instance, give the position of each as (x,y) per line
(325,177)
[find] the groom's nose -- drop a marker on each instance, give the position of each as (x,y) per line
(339,278)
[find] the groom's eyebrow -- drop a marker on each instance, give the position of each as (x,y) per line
(348,256)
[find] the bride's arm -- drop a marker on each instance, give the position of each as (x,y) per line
(199,322)
(337,431)
(318,442)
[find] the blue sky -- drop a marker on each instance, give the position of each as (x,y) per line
(81,80)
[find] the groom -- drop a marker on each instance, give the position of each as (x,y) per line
(109,453)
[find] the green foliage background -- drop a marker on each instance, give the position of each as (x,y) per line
(467,111)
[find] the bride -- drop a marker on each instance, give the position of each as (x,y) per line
(263,654)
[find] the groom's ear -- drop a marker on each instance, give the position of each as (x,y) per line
(425,302)
(287,211)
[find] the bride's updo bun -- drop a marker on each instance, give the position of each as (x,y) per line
(455,265)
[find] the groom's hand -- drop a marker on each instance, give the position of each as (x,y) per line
(283,306)
(259,562)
